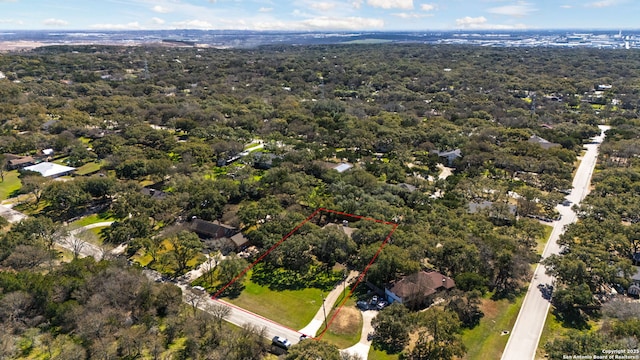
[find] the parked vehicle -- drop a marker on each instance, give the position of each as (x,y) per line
(381,305)
(281,342)
(362,305)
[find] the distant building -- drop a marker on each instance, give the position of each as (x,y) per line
(545,144)
(153,193)
(18,161)
(51,170)
(265,161)
(450,156)
(219,236)
(418,290)
(342,167)
(408,187)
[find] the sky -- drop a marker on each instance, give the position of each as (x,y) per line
(319,15)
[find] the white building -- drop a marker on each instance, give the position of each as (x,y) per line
(51,170)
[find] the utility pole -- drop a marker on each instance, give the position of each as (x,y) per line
(324,310)
(344,282)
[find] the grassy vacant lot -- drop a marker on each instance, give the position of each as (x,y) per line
(10,185)
(346,328)
(89,168)
(292,308)
(485,340)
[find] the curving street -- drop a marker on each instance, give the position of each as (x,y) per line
(526,332)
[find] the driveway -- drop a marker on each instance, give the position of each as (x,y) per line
(363,346)
(318,320)
(11,215)
(525,335)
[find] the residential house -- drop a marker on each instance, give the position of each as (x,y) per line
(51,170)
(545,144)
(264,161)
(497,211)
(342,167)
(407,187)
(450,156)
(418,290)
(210,229)
(18,161)
(153,193)
(219,236)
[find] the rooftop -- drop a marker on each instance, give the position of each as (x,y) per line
(48,169)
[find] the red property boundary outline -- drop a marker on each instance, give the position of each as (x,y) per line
(301,224)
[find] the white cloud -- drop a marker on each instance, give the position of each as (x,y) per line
(470,22)
(602,3)
(428,7)
(566,6)
(157,21)
(356,4)
(519,10)
(161,9)
(391,4)
(129,26)
(322,6)
(193,24)
(348,23)
(55,22)
(11,21)
(480,23)
(265,10)
(404,15)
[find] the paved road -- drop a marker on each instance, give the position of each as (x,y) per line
(525,335)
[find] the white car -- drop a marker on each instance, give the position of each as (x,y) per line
(281,342)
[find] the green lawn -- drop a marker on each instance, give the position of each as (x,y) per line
(552,329)
(381,355)
(92,219)
(485,342)
(89,168)
(292,308)
(10,185)
(542,242)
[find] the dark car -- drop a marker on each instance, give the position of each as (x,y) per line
(281,342)
(362,305)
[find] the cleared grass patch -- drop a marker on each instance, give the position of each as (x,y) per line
(10,185)
(381,355)
(93,219)
(346,328)
(292,308)
(89,168)
(485,340)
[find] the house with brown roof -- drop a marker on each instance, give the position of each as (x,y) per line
(418,290)
(210,229)
(18,161)
(219,236)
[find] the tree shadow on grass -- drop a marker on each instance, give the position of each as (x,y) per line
(573,318)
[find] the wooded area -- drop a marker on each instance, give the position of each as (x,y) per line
(163,136)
